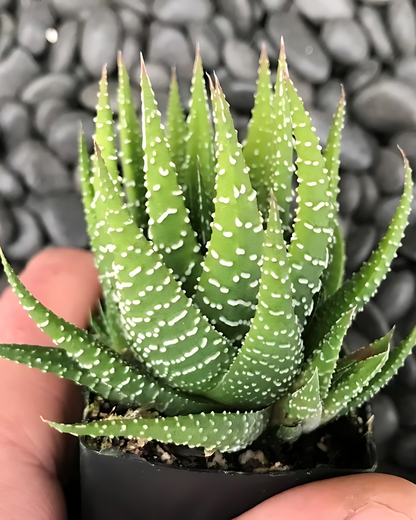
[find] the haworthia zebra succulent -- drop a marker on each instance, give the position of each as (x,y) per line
(216,301)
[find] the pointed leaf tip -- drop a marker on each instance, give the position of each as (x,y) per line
(342,99)
(282,59)
(143,71)
(120,59)
(405,159)
(197,52)
(264,56)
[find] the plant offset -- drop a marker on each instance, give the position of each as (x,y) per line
(224,307)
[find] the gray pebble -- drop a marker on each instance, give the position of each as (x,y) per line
(62,216)
(29,237)
(75,8)
(16,71)
(274,5)
(304,52)
(404,449)
(386,106)
(372,322)
(376,2)
(52,85)
(182,11)
(373,24)
(240,94)
(223,27)
(390,173)
(41,170)
(322,10)
(402,21)
(240,13)
(240,59)
(46,113)
(407,374)
(328,95)
(7,224)
(406,406)
(131,50)
(368,200)
(132,22)
(385,211)
(360,244)
(362,75)
(63,51)
(406,70)
(142,7)
(15,123)
(395,295)
(34,20)
(11,188)
(356,147)
(345,41)
(350,193)
(408,248)
(208,41)
(386,418)
(100,41)
(168,46)
(7,33)
(63,134)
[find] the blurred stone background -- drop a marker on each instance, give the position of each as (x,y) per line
(51,55)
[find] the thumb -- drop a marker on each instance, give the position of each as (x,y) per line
(356,497)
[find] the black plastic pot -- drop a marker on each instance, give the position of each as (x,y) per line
(123,485)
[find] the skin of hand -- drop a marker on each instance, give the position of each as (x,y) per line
(35,460)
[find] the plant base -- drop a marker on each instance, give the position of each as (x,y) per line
(124,485)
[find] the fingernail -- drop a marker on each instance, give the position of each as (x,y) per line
(374,511)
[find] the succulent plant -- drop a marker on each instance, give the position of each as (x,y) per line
(224,302)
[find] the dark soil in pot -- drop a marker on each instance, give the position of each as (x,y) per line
(153,481)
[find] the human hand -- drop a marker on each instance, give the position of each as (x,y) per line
(35,460)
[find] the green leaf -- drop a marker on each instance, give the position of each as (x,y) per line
(103,258)
(364,283)
(205,205)
(131,152)
(285,168)
(396,360)
(345,390)
(56,361)
(325,356)
(224,432)
(299,412)
(333,275)
(177,130)
(260,148)
(228,286)
(271,354)
(104,128)
(200,152)
(169,226)
(346,364)
(311,231)
(129,384)
(332,151)
(167,333)
(98,324)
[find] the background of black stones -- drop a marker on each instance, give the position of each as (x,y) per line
(51,54)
